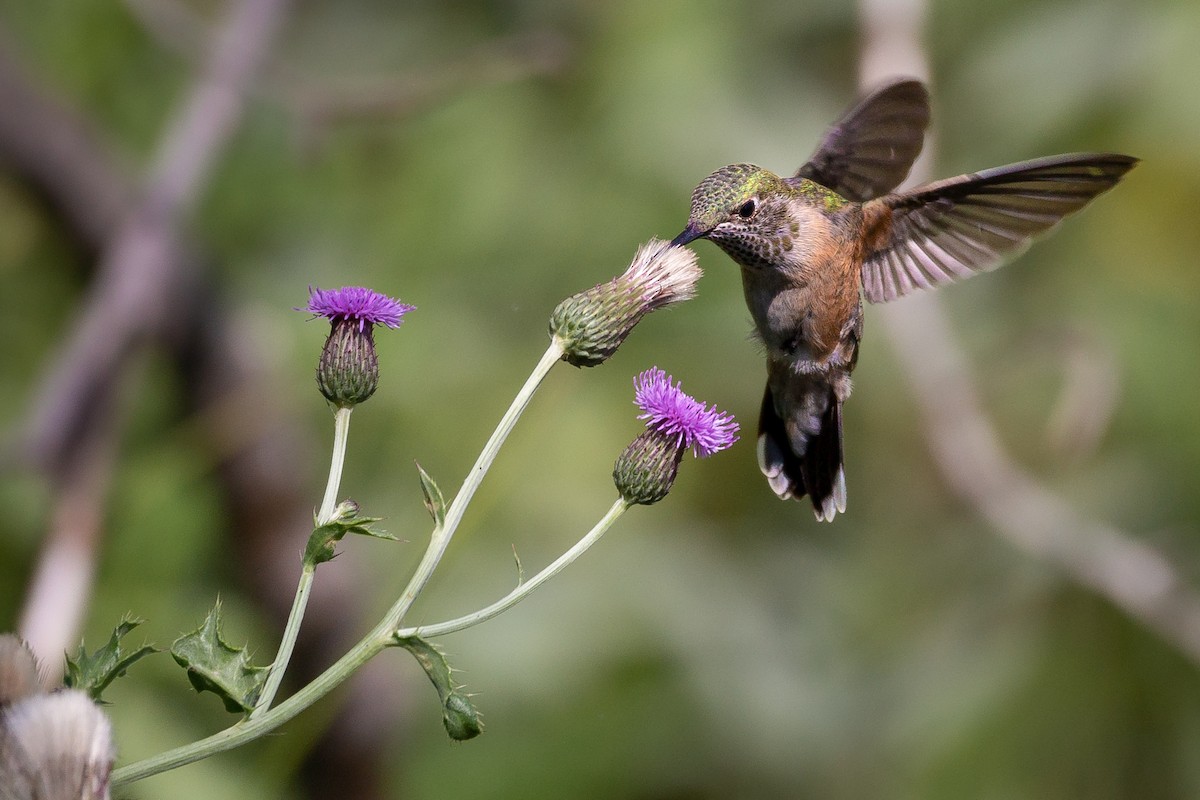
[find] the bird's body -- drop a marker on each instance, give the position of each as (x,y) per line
(812,245)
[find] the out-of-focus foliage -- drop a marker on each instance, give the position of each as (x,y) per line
(720,644)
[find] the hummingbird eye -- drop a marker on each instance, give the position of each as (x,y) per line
(747,209)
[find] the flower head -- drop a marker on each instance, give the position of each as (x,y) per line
(356,304)
(348,371)
(591,325)
(663,273)
(668,410)
(55,745)
(646,470)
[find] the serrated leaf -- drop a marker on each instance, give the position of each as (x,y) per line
(435,503)
(214,666)
(322,542)
(93,673)
(459,715)
(367,530)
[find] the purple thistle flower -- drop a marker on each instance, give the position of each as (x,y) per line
(646,469)
(668,410)
(348,371)
(356,304)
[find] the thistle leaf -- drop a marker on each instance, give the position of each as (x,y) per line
(459,714)
(93,673)
(322,542)
(213,665)
(435,503)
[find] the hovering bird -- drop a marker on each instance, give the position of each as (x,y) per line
(812,245)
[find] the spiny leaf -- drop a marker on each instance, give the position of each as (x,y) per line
(460,717)
(93,673)
(459,714)
(435,503)
(346,519)
(213,665)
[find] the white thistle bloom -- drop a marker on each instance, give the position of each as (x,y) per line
(55,747)
(591,325)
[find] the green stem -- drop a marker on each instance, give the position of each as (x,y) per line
(341,434)
(287,643)
(524,589)
(440,538)
(250,729)
(380,636)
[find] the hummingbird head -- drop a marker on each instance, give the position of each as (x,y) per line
(743,209)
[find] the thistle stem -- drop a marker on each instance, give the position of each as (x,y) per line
(264,720)
(526,588)
(250,729)
(287,643)
(341,434)
(439,540)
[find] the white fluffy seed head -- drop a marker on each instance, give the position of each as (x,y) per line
(55,747)
(667,273)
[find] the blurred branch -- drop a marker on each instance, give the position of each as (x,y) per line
(56,152)
(174,26)
(1088,400)
(144,276)
(165,293)
(318,103)
(320,106)
(61,584)
(1132,575)
(139,289)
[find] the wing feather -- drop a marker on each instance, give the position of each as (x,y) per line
(869,151)
(950,229)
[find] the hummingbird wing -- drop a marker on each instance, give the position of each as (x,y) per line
(951,229)
(869,151)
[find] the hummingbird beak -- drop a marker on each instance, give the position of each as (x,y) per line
(692,232)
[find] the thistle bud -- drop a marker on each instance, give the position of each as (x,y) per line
(675,421)
(591,325)
(348,371)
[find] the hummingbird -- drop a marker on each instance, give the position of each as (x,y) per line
(811,246)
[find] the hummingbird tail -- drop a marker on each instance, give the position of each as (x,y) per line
(809,461)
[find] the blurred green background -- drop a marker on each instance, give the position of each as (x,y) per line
(720,644)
